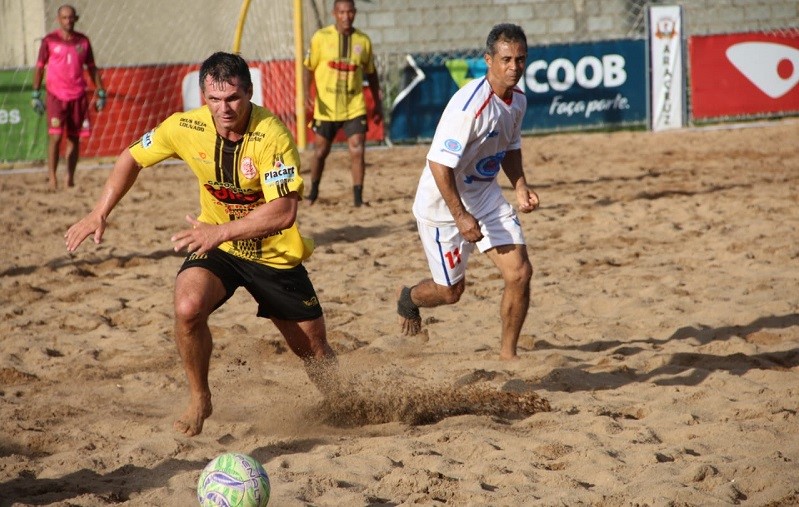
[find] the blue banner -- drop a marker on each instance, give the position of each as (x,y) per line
(568,86)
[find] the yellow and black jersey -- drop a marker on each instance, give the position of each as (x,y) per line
(339,63)
(235,177)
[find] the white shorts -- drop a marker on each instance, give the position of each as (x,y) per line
(448,252)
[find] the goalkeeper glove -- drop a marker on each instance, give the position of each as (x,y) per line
(36,102)
(99,104)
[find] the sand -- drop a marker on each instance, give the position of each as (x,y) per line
(659,360)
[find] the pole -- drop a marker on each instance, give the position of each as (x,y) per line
(298,71)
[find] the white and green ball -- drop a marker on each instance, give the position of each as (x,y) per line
(233,480)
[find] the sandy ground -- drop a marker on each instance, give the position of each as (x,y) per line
(659,360)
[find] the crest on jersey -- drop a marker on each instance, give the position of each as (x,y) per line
(248,168)
(453,145)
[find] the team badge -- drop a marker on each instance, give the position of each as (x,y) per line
(452,145)
(248,168)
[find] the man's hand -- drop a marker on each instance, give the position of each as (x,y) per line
(93,223)
(469,227)
(99,104)
(200,239)
(36,102)
(527,199)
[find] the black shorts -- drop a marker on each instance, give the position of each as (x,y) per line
(285,294)
(328,129)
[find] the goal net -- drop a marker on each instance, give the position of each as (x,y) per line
(149,54)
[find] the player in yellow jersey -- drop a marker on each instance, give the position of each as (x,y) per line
(247,169)
(338,59)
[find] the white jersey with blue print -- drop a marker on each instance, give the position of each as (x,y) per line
(475,131)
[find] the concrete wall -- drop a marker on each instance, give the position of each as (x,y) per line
(133,32)
(436,25)
(21,22)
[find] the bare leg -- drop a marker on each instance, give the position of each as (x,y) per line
(321,151)
(355,144)
(197,291)
(514,264)
(53,146)
(72,153)
(308,339)
(426,294)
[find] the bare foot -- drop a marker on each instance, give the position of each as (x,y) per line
(408,313)
(191,422)
(509,356)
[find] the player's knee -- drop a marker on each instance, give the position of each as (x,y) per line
(520,276)
(188,311)
(452,294)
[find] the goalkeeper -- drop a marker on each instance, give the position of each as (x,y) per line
(65,53)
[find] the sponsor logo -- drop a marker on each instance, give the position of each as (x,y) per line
(487,168)
(772,68)
(665,28)
(147,139)
(197,257)
(452,145)
(248,168)
(311,302)
(228,194)
(193,124)
(472,179)
(357,49)
(280,174)
(343,65)
(493,133)
(10,116)
(55,123)
(589,72)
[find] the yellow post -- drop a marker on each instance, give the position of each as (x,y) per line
(245,5)
(298,70)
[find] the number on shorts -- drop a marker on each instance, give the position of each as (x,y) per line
(453,258)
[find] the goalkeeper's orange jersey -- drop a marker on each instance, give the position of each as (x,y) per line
(235,177)
(339,63)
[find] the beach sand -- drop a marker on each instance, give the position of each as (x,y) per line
(659,362)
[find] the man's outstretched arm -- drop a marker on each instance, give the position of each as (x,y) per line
(122,177)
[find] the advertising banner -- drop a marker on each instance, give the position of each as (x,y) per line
(666,60)
(744,74)
(23,132)
(568,86)
(139,98)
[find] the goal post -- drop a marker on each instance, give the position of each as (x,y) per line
(149,54)
(298,62)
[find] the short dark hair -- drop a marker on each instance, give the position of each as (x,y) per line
(223,67)
(504,32)
(70,7)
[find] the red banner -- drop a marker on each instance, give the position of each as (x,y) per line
(139,98)
(744,74)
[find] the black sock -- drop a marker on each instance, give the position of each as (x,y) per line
(314,191)
(357,193)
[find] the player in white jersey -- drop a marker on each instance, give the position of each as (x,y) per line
(459,203)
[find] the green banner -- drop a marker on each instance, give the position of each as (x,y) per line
(23,132)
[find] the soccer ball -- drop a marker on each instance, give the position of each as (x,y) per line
(233,480)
